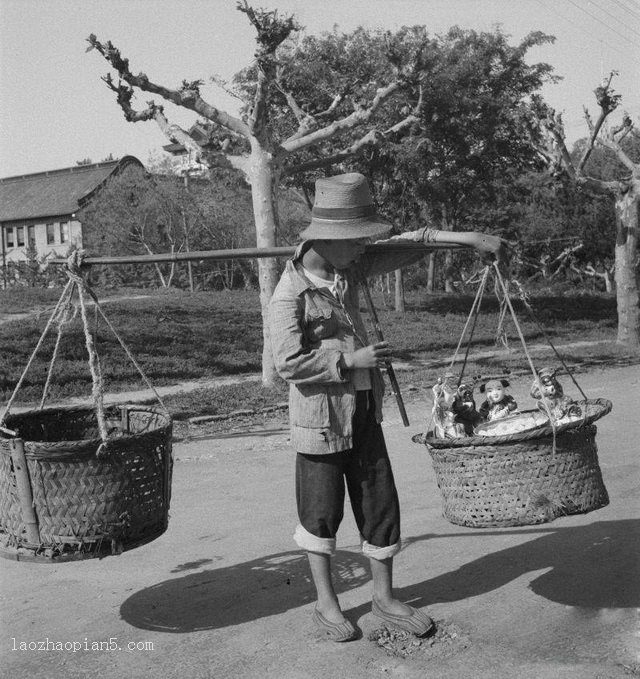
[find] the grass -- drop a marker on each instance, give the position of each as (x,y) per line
(178,336)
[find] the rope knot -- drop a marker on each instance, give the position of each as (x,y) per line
(74,264)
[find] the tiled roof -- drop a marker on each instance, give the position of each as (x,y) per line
(55,193)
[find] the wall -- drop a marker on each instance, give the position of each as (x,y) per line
(57,248)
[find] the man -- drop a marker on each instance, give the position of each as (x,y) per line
(320,347)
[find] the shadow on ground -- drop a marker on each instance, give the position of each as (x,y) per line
(590,568)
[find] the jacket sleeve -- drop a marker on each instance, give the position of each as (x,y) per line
(295,361)
(373,263)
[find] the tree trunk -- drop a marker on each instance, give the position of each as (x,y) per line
(186,245)
(625,273)
(263,179)
(448,271)
(399,291)
(431,271)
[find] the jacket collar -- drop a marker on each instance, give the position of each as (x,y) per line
(299,281)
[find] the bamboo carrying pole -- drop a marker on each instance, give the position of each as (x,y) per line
(248,253)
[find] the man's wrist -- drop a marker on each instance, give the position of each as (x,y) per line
(429,235)
(346,362)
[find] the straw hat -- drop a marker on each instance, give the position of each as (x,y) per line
(343,209)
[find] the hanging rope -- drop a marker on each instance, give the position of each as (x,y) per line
(474,313)
(525,300)
(35,351)
(61,316)
(73,268)
(473,316)
(526,350)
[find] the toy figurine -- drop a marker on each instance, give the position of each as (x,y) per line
(445,392)
(551,398)
(464,408)
(498,403)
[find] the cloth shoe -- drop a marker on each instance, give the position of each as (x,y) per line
(416,622)
(335,631)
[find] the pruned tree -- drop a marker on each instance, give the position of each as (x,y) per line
(137,212)
(625,191)
(475,134)
(264,147)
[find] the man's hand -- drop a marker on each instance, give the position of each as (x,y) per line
(372,356)
(492,248)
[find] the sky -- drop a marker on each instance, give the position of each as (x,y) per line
(55,110)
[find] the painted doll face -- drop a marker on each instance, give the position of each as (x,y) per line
(495,391)
(548,384)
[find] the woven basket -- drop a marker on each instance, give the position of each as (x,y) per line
(521,479)
(62,497)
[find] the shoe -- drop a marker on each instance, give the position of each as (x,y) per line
(335,631)
(416,622)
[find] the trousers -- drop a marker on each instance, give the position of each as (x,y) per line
(366,471)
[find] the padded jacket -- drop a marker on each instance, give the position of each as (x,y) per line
(310,330)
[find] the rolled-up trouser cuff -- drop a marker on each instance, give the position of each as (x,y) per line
(380,553)
(312,543)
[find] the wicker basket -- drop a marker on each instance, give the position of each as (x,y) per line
(521,479)
(63,497)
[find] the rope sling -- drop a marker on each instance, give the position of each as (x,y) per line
(70,490)
(63,313)
(531,476)
(502,293)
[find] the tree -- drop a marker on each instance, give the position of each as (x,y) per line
(267,150)
(472,132)
(476,134)
(142,213)
(625,190)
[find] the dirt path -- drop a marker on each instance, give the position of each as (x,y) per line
(225,593)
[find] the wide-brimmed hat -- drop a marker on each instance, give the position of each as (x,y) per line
(343,208)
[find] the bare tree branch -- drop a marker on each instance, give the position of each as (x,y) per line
(608,101)
(370,138)
(187,97)
(272,31)
(613,139)
(358,117)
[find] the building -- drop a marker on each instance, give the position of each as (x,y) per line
(44,210)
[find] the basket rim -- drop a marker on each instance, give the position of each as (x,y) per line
(82,443)
(600,407)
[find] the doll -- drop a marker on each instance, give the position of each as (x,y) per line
(498,403)
(551,398)
(464,408)
(444,419)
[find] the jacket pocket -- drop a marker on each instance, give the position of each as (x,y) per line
(320,323)
(309,406)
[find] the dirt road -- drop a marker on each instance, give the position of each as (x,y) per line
(225,593)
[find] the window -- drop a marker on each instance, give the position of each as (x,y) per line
(20,231)
(64,232)
(10,238)
(51,235)
(31,232)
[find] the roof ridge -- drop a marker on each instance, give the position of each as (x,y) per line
(74,169)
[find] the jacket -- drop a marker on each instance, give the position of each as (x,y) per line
(310,330)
